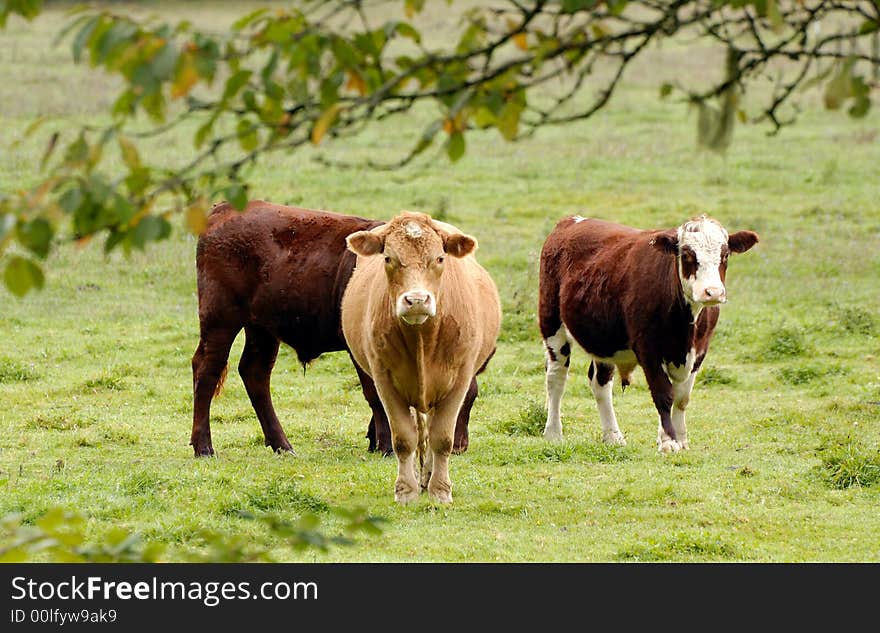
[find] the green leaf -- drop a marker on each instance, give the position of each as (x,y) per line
(129,153)
(164,62)
(82,37)
(21,275)
(404,29)
(247,135)
(428,136)
(456,146)
(151,228)
(324,122)
(204,131)
(411,7)
(869,26)
(774,15)
(571,6)
(840,88)
(235,83)
(508,120)
(71,200)
(248,19)
(36,236)
(236,194)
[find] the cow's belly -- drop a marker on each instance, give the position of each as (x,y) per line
(623,358)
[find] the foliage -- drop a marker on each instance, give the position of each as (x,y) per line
(58,535)
(279,80)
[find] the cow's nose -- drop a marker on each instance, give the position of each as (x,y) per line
(417,298)
(715,293)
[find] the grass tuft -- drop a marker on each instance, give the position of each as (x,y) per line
(12,371)
(58,422)
(856,321)
(847,464)
(801,375)
(678,546)
(785,342)
(716,376)
(529,421)
(279,496)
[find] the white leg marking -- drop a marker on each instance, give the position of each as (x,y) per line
(603,393)
(681,394)
(557,373)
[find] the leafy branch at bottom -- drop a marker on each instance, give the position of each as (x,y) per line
(59,536)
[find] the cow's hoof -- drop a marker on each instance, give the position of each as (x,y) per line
(440,493)
(288,451)
(405,493)
(204,451)
(458,449)
(553,435)
(669,446)
(615,438)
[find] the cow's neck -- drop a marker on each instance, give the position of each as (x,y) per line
(683,323)
(420,342)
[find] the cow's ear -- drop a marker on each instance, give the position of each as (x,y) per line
(365,243)
(459,245)
(742,241)
(666,242)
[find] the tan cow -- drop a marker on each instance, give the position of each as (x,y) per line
(422,325)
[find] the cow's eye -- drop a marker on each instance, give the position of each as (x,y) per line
(387,259)
(440,259)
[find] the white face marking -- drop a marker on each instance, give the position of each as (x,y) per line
(413,230)
(578,218)
(705,238)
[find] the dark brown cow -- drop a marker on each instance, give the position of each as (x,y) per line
(632,297)
(279,273)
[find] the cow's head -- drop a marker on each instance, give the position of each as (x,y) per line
(415,248)
(701,247)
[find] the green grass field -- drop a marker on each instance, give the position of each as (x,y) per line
(784,424)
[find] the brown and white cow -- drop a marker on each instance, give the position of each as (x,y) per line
(631,297)
(279,273)
(421,317)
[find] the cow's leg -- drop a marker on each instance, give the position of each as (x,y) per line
(460,443)
(255,369)
(404,439)
(378,431)
(441,434)
(662,395)
(601,382)
(208,366)
(558,358)
(681,395)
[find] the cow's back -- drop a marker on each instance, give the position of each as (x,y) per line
(594,276)
(283,268)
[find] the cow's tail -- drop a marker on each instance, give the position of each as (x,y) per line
(422,425)
(219,388)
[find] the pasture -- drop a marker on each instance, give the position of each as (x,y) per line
(784,422)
